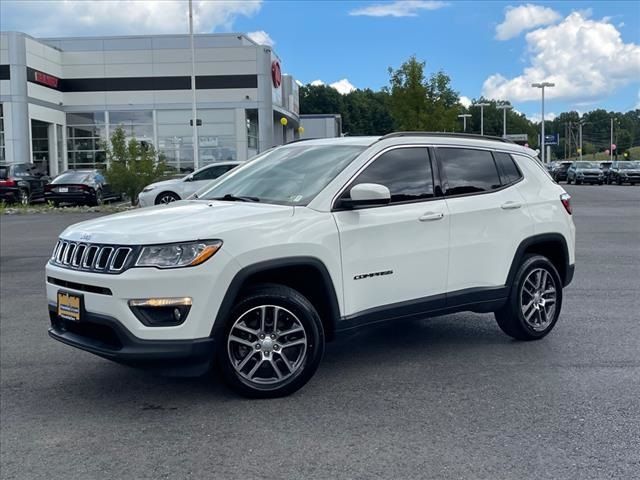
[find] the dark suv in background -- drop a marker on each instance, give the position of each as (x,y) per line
(624,172)
(559,172)
(585,172)
(21,182)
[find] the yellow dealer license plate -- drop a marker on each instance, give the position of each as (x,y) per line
(69,306)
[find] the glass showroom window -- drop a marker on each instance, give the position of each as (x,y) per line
(252,130)
(3,156)
(85,134)
(175,139)
(136,124)
(217,136)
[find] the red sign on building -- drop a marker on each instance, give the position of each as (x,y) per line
(48,80)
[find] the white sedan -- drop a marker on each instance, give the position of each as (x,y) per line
(169,191)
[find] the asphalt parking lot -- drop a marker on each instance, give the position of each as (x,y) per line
(450,397)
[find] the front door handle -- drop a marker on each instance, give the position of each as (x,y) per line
(511,205)
(430,216)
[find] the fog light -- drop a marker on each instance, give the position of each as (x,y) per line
(161,312)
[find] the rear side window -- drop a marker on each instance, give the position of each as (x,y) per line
(406,172)
(468,171)
(212,173)
(508,168)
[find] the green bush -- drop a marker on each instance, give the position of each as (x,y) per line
(132,165)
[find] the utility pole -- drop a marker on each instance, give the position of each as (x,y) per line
(580,127)
(542,87)
(194,113)
(481,105)
(504,109)
(611,142)
(464,117)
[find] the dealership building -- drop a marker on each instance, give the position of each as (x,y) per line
(61,97)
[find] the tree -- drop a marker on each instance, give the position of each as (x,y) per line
(422,104)
(131,164)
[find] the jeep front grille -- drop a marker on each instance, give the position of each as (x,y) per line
(92,257)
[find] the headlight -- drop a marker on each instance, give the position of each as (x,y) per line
(149,188)
(176,255)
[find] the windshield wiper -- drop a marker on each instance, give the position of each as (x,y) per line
(229,197)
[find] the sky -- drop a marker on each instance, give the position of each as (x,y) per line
(590,50)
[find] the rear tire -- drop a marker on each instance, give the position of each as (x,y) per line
(99,200)
(534,302)
(272,342)
(568,181)
(24,198)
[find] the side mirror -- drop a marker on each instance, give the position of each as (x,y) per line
(189,178)
(367,195)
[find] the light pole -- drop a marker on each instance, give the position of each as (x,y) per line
(464,117)
(580,135)
(542,86)
(504,109)
(194,115)
(481,105)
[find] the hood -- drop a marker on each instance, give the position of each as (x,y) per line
(177,222)
(166,183)
(589,170)
(629,170)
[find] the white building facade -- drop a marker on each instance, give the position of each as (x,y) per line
(61,98)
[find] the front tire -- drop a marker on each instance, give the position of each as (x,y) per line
(166,197)
(535,300)
(272,344)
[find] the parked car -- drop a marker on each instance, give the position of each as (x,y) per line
(585,172)
(559,172)
(606,170)
(22,182)
(169,191)
(80,187)
(312,239)
(624,172)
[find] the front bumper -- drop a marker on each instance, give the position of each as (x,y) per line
(106,337)
(147,199)
(590,179)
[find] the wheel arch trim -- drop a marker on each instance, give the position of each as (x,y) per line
(538,239)
(241,277)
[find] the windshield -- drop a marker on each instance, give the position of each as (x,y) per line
(292,175)
(587,165)
(74,177)
(628,165)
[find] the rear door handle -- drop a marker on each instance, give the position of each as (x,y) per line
(510,205)
(430,216)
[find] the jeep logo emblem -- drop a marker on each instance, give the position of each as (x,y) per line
(85,236)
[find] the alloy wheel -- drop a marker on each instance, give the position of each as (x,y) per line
(267,345)
(538,299)
(167,199)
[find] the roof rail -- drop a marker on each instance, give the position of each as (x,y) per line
(447,135)
(299,140)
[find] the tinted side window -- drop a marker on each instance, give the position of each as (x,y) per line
(508,168)
(406,172)
(211,173)
(468,171)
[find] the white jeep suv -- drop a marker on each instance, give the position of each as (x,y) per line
(311,239)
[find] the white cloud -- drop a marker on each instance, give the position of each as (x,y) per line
(586,59)
(261,38)
(51,18)
(343,86)
(299,83)
(465,101)
(523,18)
(535,117)
(402,8)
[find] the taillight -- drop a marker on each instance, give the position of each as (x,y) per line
(565,198)
(9,182)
